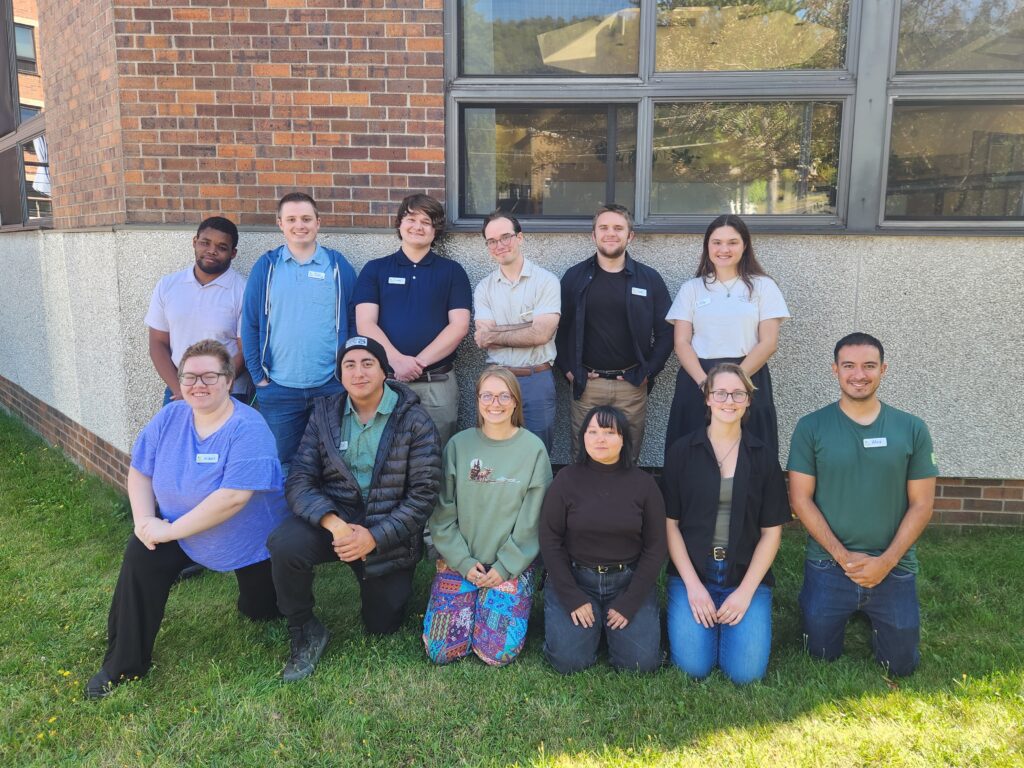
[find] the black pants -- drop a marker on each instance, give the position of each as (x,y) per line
(296,547)
(141,595)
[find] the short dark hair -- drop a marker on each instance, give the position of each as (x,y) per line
(499,214)
(858,339)
(297,197)
(220,224)
(607,416)
(622,210)
(421,203)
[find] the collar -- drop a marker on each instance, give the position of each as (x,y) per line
(219,280)
(526,271)
(405,261)
(386,406)
(319,255)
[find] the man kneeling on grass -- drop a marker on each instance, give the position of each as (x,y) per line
(362,484)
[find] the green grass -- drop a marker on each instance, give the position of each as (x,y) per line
(214,698)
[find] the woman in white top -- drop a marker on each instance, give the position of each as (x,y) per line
(729,313)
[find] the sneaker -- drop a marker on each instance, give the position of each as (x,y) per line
(100,685)
(307,646)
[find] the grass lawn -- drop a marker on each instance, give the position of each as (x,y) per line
(214,698)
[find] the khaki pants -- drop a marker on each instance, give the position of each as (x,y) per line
(441,400)
(632,401)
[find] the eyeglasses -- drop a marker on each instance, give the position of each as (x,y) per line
(209,378)
(720,396)
(504,241)
(503,398)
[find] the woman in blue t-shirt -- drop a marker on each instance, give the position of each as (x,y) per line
(205,487)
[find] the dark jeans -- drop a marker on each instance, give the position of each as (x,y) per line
(296,547)
(286,411)
(570,648)
(828,599)
(141,595)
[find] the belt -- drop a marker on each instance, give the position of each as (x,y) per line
(613,568)
(440,373)
(718,553)
(528,370)
(610,374)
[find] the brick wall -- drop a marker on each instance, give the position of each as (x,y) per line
(227,106)
(83,134)
(30,86)
(85,449)
(967,501)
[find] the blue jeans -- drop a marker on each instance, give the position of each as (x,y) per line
(570,648)
(829,598)
(741,651)
(286,411)
(539,405)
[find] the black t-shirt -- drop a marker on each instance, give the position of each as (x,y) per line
(607,344)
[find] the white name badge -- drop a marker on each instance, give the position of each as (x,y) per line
(396,281)
(207,458)
(317,275)
(703,303)
(875,442)
(639,291)
(343,445)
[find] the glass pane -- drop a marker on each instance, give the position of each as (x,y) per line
(547,161)
(719,35)
(961,36)
(10,188)
(24,45)
(956,161)
(27,112)
(765,158)
(549,37)
(37,179)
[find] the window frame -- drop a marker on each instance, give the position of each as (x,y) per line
(866,89)
(25,65)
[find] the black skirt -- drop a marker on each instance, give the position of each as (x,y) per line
(689,411)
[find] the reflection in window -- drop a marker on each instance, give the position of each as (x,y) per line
(10,188)
(28,112)
(764,158)
(961,36)
(549,37)
(963,161)
(25,48)
(37,179)
(547,161)
(717,35)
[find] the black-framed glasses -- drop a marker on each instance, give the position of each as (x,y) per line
(503,398)
(504,241)
(720,396)
(209,378)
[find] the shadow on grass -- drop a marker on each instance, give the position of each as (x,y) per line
(214,698)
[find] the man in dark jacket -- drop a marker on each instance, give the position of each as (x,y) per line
(361,486)
(613,338)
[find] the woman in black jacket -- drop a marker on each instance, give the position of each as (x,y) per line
(726,502)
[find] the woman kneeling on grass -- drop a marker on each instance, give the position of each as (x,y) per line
(726,502)
(210,464)
(485,528)
(602,537)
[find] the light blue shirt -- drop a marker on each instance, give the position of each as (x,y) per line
(185,469)
(303,310)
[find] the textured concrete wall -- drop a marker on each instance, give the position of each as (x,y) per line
(71,309)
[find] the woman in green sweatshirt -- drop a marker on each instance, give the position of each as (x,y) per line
(485,528)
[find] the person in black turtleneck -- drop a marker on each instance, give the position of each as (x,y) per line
(602,537)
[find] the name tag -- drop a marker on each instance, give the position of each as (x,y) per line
(396,281)
(207,458)
(639,291)
(343,445)
(875,442)
(317,275)
(703,303)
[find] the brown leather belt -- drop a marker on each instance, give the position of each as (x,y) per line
(434,374)
(529,370)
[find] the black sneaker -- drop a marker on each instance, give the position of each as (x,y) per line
(307,646)
(100,685)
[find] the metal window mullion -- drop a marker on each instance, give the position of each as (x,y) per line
(642,172)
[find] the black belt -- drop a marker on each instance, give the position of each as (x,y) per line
(440,373)
(613,568)
(609,374)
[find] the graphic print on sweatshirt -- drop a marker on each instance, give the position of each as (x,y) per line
(478,473)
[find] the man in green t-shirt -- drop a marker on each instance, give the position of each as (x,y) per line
(862,481)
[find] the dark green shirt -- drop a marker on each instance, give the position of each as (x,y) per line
(861,475)
(359,441)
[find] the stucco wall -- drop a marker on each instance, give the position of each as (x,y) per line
(947,309)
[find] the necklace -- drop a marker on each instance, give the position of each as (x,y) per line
(732,448)
(728,288)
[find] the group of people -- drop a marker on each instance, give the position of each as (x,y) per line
(351,453)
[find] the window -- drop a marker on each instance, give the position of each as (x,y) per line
(681,109)
(25,48)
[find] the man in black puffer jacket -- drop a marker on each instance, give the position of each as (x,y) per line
(361,485)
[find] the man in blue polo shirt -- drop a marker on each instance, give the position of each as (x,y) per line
(296,314)
(417,305)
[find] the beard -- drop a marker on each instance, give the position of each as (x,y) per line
(615,253)
(216,268)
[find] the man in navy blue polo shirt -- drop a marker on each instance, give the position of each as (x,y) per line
(417,305)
